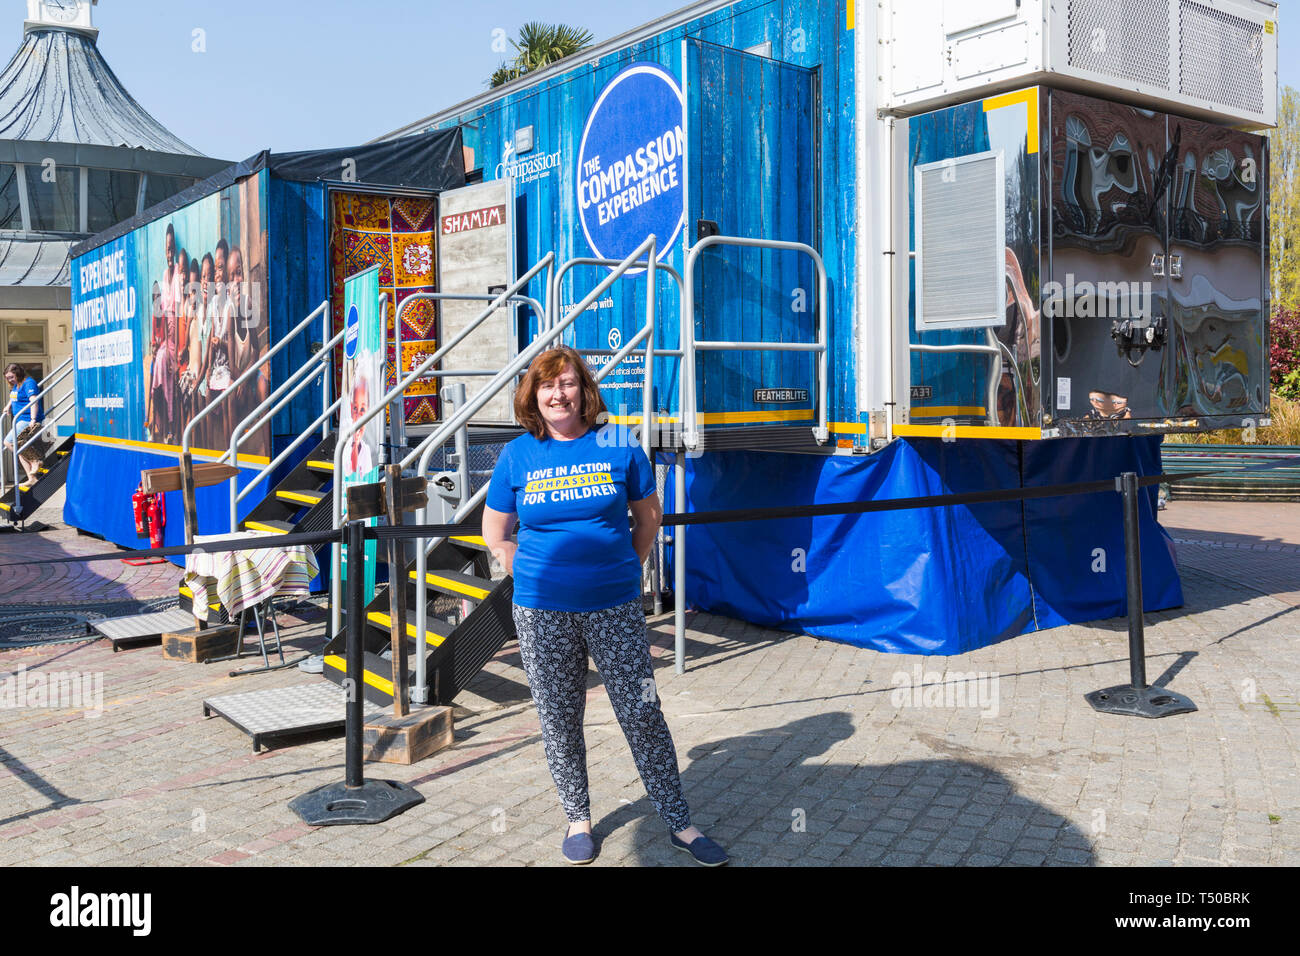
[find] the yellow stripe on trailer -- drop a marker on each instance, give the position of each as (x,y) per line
(386,622)
(374,680)
(948,411)
(298,496)
(967,431)
(466,589)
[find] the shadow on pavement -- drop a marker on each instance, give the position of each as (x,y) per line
(766,798)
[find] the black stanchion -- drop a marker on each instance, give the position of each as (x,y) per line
(356,800)
(1136,698)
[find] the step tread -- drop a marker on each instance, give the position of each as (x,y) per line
(321,465)
(436,631)
(274,527)
(340,663)
(306,496)
(464,585)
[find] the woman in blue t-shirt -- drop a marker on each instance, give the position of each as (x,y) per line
(28,419)
(577,587)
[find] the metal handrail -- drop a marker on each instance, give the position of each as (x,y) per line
(462,416)
(553,293)
(48,419)
(689,344)
(323,362)
(995,373)
(474,297)
(324,308)
(279,459)
(346,429)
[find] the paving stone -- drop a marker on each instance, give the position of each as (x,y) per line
(756,739)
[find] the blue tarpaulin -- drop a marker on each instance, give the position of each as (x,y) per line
(930,581)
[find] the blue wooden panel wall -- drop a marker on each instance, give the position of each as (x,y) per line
(299,281)
(802,32)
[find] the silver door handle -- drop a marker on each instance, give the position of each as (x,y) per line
(1157,265)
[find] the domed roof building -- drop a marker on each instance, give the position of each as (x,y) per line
(77,154)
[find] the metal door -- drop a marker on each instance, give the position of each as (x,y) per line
(753,172)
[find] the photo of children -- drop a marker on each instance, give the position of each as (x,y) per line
(204,265)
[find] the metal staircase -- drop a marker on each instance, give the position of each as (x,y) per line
(19,500)
(30,497)
(467,620)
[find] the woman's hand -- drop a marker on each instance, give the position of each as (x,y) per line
(497,527)
(647,514)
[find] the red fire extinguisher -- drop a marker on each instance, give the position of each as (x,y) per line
(157,519)
(138,506)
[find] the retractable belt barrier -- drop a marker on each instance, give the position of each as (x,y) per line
(411,531)
(360,801)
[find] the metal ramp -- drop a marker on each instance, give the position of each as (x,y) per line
(283,711)
(139,629)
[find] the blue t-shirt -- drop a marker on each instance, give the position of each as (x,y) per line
(575,547)
(20,399)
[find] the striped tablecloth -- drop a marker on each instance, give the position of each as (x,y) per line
(242,579)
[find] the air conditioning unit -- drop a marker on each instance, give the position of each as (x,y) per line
(1211,59)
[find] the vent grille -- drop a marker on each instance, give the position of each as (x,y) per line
(1222,57)
(961,239)
(1128,39)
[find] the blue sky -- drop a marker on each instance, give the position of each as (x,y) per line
(306,74)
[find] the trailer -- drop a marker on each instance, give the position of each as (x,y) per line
(906,248)
(207,325)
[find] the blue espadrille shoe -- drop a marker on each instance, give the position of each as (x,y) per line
(579,848)
(704,850)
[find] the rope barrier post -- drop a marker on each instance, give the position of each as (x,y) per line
(356,800)
(1136,698)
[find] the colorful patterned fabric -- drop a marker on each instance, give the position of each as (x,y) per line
(242,579)
(398,234)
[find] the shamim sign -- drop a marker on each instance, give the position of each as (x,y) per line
(630,164)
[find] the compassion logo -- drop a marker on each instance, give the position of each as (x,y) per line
(631,173)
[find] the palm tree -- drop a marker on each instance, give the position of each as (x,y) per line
(539,45)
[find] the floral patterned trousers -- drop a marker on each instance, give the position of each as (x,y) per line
(554,646)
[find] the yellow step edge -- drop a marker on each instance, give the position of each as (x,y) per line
(321,465)
(466,589)
(5,506)
(470,539)
(298,496)
(186,592)
(386,622)
(258,526)
(374,680)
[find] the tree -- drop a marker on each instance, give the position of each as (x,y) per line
(1284,199)
(539,45)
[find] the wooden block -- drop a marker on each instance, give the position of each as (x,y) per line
(406,739)
(198,646)
(157,480)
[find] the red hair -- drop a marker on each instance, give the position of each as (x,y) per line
(547,366)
